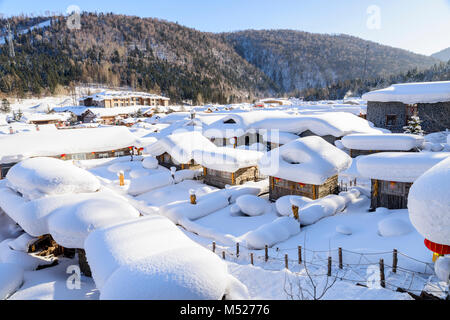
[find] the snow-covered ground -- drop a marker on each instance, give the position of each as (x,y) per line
(93,211)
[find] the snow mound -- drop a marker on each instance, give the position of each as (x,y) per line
(284,204)
(70,226)
(150,163)
(119,167)
(344,230)
(157,262)
(148,183)
(139,173)
(309,160)
(252,205)
(272,233)
(429,204)
(393,227)
(11,278)
(383,142)
(442,268)
(22,243)
(37,177)
(398,166)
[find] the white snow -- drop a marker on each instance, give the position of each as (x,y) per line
(150,163)
(150,258)
(342,229)
(393,227)
(398,166)
(227,159)
(272,233)
(442,268)
(11,278)
(429,203)
(383,142)
(284,204)
(37,177)
(252,205)
(19,146)
(148,183)
(412,93)
(309,160)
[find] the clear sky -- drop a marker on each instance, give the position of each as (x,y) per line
(421,26)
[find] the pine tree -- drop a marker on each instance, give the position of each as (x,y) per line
(414,126)
(5,106)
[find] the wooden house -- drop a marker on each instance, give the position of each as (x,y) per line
(306,167)
(393,173)
(113,99)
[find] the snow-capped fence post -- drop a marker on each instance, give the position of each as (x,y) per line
(193,197)
(223,255)
(382,278)
(251,258)
(340,259)
(299,254)
(121,179)
(395,261)
(266,253)
(286,261)
(237,249)
(214,247)
(295,211)
(329,266)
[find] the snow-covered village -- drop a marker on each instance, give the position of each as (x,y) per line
(124,193)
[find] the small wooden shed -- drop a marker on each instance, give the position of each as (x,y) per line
(389,194)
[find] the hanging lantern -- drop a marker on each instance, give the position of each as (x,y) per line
(302,185)
(392,185)
(440,249)
(63,156)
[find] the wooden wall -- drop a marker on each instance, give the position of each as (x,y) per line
(280,188)
(390,194)
(220,179)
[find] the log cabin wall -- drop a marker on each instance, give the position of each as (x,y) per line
(220,179)
(280,188)
(389,194)
(168,162)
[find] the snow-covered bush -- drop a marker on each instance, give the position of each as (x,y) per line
(393,227)
(284,204)
(272,233)
(150,163)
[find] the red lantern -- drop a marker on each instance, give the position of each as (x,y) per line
(440,249)
(302,185)
(63,155)
(392,185)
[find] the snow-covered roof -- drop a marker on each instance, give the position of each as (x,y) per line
(412,93)
(279,137)
(309,160)
(112,112)
(19,146)
(383,142)
(31,117)
(227,159)
(122,95)
(180,145)
(336,124)
(398,166)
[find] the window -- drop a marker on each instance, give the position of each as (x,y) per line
(102,155)
(231,121)
(391,120)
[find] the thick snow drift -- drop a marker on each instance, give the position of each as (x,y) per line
(309,160)
(412,93)
(383,142)
(11,278)
(37,177)
(393,227)
(272,233)
(398,166)
(150,258)
(429,204)
(284,204)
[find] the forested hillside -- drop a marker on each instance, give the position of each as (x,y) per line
(185,64)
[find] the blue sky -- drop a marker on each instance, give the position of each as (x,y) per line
(421,26)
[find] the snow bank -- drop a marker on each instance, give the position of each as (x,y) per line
(148,183)
(284,204)
(252,205)
(383,142)
(309,160)
(20,259)
(150,258)
(11,278)
(37,177)
(272,233)
(393,227)
(429,203)
(22,243)
(398,166)
(326,207)
(412,93)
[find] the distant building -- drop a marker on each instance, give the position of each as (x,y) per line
(112,99)
(393,107)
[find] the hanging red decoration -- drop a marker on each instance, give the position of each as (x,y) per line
(441,249)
